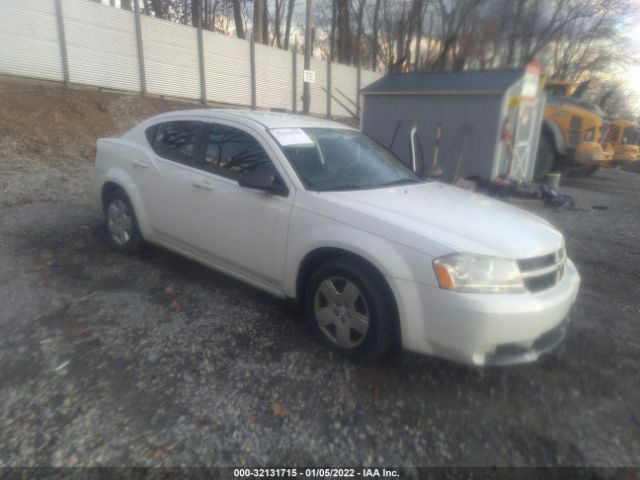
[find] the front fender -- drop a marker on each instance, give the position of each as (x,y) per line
(309,232)
(406,270)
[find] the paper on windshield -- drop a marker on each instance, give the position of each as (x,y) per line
(291,136)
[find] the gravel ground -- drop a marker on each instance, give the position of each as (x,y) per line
(155,360)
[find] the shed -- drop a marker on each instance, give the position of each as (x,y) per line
(487,121)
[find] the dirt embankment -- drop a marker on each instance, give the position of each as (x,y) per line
(47,122)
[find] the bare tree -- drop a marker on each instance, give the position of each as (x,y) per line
(574,39)
(195,13)
(332,35)
(453,17)
(516,25)
(359,31)
(287,31)
(265,22)
(237,16)
(159,8)
(420,11)
(374,36)
(278,16)
(344,31)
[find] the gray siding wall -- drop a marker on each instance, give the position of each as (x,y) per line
(382,113)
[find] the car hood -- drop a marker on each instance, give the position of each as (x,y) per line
(436,219)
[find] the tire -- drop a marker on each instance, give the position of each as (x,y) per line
(592,170)
(545,159)
(122,225)
(349,310)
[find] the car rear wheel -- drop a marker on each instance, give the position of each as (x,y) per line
(349,310)
(122,227)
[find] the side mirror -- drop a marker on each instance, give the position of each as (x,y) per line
(263,179)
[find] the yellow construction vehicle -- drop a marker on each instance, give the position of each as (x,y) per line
(623,141)
(573,132)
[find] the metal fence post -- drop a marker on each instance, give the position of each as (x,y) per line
(329,87)
(252,61)
(203,84)
(143,76)
(306,86)
(294,79)
(62,38)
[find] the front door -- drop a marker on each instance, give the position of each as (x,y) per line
(241,229)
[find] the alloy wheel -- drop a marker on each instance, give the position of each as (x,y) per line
(341,312)
(119,221)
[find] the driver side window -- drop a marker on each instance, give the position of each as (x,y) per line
(230,152)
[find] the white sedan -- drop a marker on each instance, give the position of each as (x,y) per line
(315,211)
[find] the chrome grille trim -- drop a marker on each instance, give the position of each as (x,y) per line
(540,271)
(544,272)
(529,264)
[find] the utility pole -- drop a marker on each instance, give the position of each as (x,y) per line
(306,93)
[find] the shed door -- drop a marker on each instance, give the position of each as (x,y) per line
(522,138)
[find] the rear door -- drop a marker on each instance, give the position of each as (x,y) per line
(167,183)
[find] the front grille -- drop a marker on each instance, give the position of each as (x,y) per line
(535,263)
(604,130)
(544,272)
(536,284)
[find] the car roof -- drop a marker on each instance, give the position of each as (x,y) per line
(265,119)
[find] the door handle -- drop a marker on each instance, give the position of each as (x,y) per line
(139,163)
(203,184)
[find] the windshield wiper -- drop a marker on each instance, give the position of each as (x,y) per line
(344,187)
(400,181)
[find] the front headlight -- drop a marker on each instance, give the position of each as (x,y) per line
(478,274)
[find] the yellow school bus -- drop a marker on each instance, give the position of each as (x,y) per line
(573,133)
(623,140)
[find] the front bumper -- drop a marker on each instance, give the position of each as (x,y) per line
(626,155)
(587,154)
(512,353)
(484,329)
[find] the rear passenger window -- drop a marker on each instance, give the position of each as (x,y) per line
(177,141)
(231,151)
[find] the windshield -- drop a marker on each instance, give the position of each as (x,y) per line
(334,159)
(631,136)
(559,90)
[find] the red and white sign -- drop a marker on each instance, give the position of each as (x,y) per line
(531,81)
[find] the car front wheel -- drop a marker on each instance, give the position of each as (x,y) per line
(349,310)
